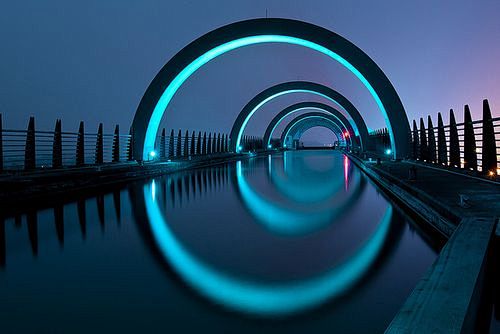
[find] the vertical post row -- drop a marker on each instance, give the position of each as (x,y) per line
(99,146)
(204,144)
(442,149)
(209,144)
(30,150)
(80,146)
(454,144)
(214,144)
(116,144)
(198,144)
(432,140)
(470,155)
(57,146)
(489,150)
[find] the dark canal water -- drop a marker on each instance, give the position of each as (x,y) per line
(300,242)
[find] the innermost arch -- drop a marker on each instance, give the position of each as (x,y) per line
(175,84)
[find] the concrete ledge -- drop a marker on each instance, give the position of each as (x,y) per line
(446,300)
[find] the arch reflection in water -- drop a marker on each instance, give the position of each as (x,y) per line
(254,296)
(328,199)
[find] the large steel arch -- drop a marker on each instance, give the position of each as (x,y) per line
(304,122)
(257,31)
(310,106)
(297,87)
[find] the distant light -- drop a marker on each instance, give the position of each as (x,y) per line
(239,149)
(491,173)
(284,145)
(346,134)
(388,151)
(269,146)
(152,154)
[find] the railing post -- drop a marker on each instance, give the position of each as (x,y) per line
(198,144)
(218,143)
(209,144)
(227,143)
(163,140)
(432,139)
(80,146)
(424,150)
(171,144)
(57,146)
(99,146)
(130,149)
(193,145)
(214,144)
(178,150)
(116,144)
(470,155)
(489,148)
(454,144)
(442,149)
(30,148)
(1,145)
(223,143)
(186,144)
(204,144)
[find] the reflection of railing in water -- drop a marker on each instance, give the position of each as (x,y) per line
(31,219)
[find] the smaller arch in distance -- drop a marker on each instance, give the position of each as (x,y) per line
(328,110)
(308,121)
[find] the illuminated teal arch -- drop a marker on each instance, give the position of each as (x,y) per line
(299,87)
(259,298)
(306,121)
(328,110)
(257,31)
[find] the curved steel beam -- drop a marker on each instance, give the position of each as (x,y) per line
(296,87)
(258,31)
(315,106)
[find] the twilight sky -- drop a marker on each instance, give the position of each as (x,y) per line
(92,60)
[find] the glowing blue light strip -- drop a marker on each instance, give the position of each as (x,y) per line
(307,108)
(317,116)
(177,82)
(260,298)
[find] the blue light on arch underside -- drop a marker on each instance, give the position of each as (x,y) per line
(170,91)
(271,299)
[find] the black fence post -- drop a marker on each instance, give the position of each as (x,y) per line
(489,149)
(442,149)
(214,144)
(193,144)
(163,143)
(424,149)
(80,146)
(1,144)
(223,144)
(178,149)
(227,143)
(432,139)
(116,145)
(454,143)
(218,143)
(30,148)
(186,144)
(198,144)
(57,146)
(209,144)
(171,144)
(204,144)
(99,146)
(470,155)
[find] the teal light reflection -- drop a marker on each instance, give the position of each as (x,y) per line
(263,299)
(177,82)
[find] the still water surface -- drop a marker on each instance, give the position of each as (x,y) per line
(295,242)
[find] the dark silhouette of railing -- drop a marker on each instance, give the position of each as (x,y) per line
(470,145)
(32,149)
